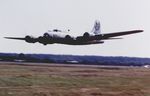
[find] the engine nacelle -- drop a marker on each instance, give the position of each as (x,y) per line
(46,35)
(30,39)
(45,39)
(69,38)
(41,39)
(87,35)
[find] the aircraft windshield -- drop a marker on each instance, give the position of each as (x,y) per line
(56,30)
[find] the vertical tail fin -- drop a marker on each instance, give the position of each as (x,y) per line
(97,28)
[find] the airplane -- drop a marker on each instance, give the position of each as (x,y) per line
(62,37)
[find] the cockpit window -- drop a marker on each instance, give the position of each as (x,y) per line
(56,30)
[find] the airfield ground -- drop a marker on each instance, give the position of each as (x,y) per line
(31,79)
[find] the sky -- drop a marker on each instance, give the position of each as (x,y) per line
(19,18)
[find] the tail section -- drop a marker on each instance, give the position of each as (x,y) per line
(97,28)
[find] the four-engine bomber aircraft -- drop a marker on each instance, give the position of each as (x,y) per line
(58,36)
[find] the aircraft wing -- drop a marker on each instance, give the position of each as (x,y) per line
(14,38)
(28,39)
(110,35)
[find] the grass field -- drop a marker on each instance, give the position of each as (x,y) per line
(20,79)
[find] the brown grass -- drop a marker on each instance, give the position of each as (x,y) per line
(31,79)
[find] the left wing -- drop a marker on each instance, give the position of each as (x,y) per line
(110,35)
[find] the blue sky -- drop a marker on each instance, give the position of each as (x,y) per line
(34,17)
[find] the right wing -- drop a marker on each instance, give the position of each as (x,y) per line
(15,38)
(27,38)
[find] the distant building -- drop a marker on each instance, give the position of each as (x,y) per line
(72,62)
